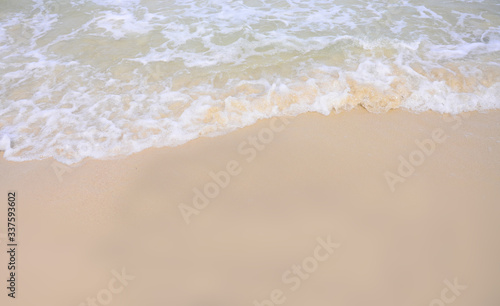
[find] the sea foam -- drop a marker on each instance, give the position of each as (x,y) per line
(109,78)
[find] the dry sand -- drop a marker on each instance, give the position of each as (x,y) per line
(319,178)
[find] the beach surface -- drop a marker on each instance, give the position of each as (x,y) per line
(352,208)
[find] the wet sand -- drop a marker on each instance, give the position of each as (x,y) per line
(348,209)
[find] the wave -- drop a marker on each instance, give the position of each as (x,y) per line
(108,78)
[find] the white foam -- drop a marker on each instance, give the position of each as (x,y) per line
(118,77)
(119,24)
(4,143)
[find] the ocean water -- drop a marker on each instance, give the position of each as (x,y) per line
(105,78)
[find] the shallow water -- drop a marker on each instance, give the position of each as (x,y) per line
(106,78)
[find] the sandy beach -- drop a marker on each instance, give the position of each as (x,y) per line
(250,153)
(347,209)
